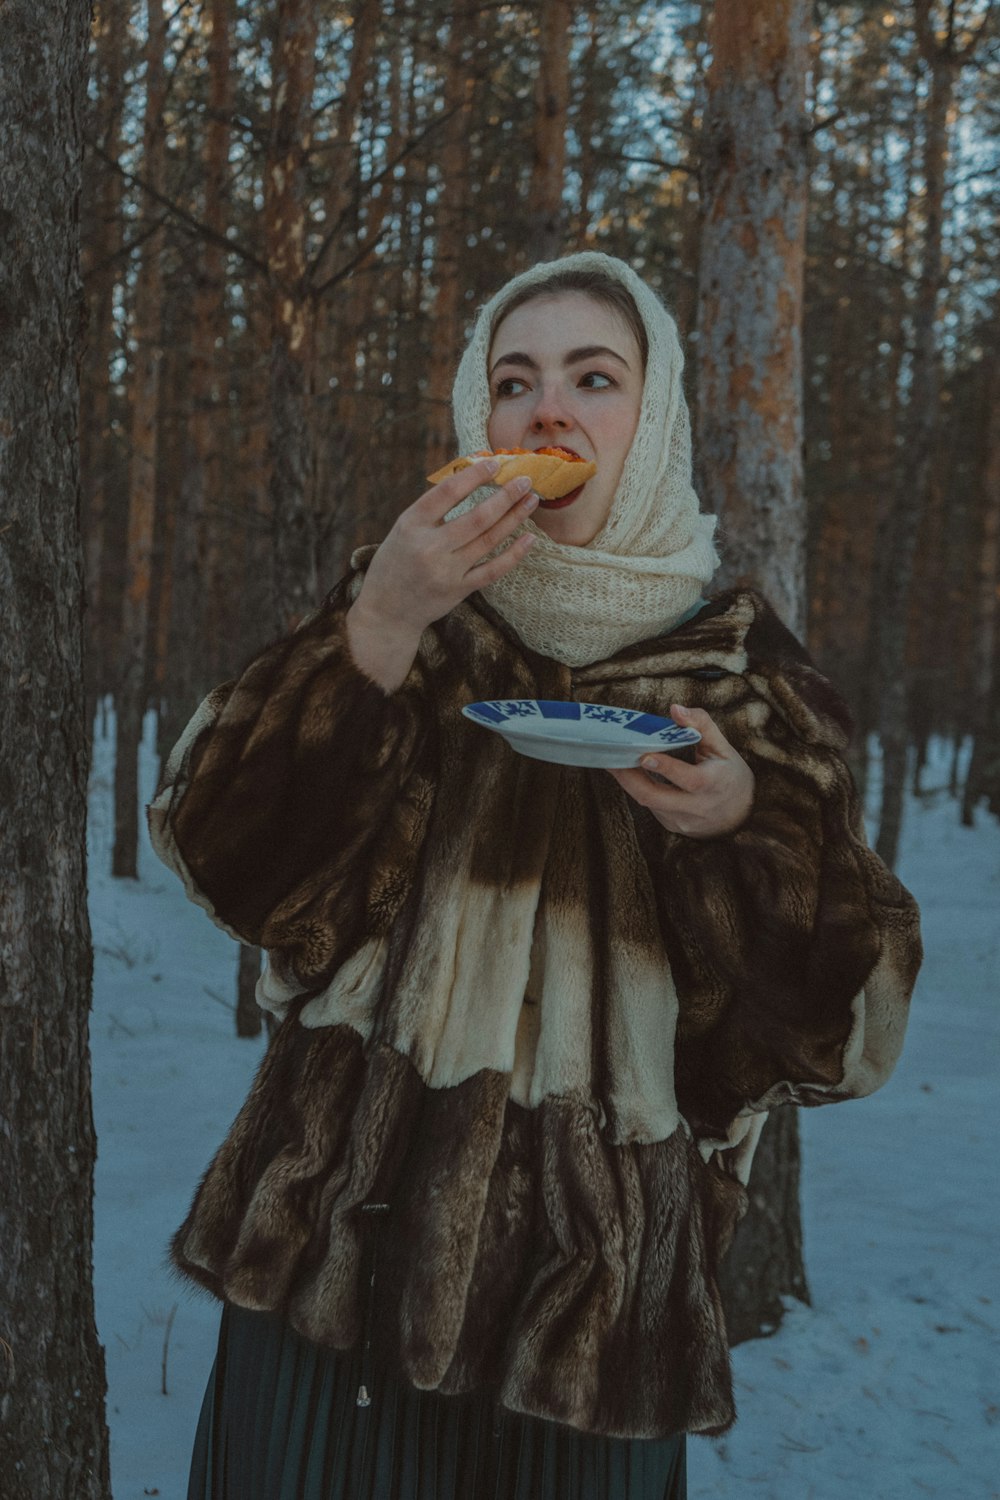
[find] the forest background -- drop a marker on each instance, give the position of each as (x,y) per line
(291,213)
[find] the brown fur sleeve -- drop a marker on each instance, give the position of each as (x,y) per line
(794,949)
(282,788)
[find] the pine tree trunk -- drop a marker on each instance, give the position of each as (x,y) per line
(450,223)
(248,1012)
(546,220)
(754,193)
(53,1439)
(131,699)
(292,314)
(102,268)
(200,470)
(986,640)
(915,460)
(754,187)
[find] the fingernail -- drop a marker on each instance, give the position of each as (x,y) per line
(648,763)
(530,501)
(680,709)
(521,483)
(492,465)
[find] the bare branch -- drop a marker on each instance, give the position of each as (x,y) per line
(178,211)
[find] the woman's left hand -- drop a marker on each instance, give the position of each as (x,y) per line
(703,800)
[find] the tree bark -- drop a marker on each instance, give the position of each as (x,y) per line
(249,1017)
(450,221)
(983,777)
(147,329)
(292,307)
(765,1263)
(53,1439)
(915,460)
(200,470)
(754,194)
(754,184)
(102,269)
(546,219)
(944,59)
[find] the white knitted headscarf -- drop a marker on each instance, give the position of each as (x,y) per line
(648,564)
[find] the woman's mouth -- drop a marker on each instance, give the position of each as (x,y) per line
(563,500)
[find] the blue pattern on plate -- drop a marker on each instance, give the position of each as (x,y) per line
(606,715)
(651,724)
(517,708)
(579,734)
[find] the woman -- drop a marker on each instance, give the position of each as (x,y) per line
(468,1223)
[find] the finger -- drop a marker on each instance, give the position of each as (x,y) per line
(713,741)
(679,773)
(488,572)
(477,550)
(435,503)
(474,526)
(654,795)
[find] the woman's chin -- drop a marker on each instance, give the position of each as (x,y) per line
(573,527)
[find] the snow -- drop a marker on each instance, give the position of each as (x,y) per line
(885,1388)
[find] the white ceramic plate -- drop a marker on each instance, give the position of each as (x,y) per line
(599,735)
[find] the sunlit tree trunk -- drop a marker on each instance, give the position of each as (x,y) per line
(145,391)
(339,314)
(546,219)
(293,71)
(451,218)
(53,1438)
(754,194)
(754,185)
(200,471)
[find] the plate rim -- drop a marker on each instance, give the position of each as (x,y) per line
(509,725)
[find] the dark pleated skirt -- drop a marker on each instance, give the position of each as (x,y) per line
(280,1422)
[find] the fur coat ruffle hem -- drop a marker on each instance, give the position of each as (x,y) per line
(541,1028)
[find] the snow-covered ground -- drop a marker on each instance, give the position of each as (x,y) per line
(887,1387)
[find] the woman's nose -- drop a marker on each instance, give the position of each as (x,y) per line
(550,411)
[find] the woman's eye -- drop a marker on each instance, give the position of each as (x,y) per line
(505,387)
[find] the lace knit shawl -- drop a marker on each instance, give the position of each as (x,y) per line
(648,564)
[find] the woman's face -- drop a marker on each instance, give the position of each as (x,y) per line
(565,371)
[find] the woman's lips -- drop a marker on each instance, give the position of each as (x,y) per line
(563,500)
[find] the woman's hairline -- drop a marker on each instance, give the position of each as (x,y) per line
(604,290)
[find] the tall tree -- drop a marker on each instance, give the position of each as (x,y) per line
(754,187)
(943,54)
(548,177)
(286,221)
(102,271)
(983,777)
(148,336)
(451,218)
(188,566)
(53,1439)
(754,182)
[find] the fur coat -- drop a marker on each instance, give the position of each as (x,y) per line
(541,1028)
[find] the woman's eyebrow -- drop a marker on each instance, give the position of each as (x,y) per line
(589,351)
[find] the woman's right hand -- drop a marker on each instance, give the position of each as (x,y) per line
(427,565)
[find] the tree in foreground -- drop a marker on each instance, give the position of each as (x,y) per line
(754,186)
(53,1439)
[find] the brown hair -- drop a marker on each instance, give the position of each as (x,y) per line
(596,284)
